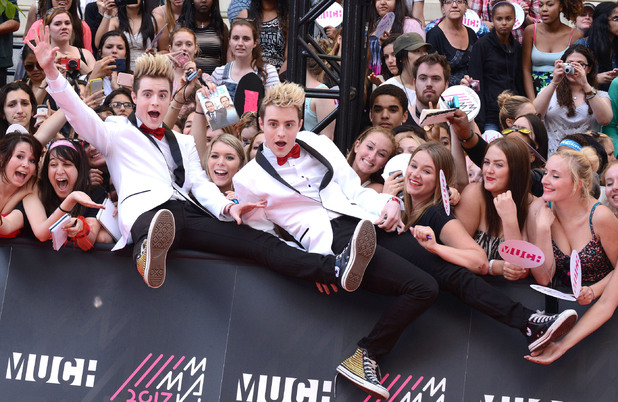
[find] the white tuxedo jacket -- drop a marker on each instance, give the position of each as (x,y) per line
(302,217)
(136,166)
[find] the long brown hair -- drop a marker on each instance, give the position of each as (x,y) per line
(563,92)
(442,160)
(256,54)
(518,160)
(377,176)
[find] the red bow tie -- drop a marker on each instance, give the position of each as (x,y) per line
(294,153)
(159,133)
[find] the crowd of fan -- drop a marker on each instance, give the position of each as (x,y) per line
(537,163)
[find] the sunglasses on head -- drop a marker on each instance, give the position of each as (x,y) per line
(517,130)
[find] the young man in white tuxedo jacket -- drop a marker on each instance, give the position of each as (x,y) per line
(154,169)
(312,193)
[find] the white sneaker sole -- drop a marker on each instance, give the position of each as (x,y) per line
(561,326)
(160,238)
(376,391)
(363,245)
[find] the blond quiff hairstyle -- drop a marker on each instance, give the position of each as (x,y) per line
(153,66)
(288,94)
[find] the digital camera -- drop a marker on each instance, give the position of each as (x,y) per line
(69,64)
(568,68)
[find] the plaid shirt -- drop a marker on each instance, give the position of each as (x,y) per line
(483,9)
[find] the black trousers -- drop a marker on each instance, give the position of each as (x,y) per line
(390,275)
(198,231)
(462,283)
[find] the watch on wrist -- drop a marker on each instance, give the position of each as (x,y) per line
(591,94)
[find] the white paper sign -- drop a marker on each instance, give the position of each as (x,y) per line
(469,101)
(385,24)
(520,16)
(552,292)
(471,20)
(576,273)
(332,17)
(521,253)
(444,190)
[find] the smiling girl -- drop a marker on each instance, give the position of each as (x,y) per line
(224,158)
(568,218)
(373,148)
(247,55)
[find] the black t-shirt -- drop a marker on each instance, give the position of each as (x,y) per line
(435,217)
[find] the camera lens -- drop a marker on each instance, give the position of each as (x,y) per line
(72,64)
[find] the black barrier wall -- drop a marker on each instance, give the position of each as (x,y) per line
(80,326)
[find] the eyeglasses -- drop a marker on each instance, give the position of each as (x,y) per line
(584,65)
(30,67)
(516,130)
(118,105)
(450,2)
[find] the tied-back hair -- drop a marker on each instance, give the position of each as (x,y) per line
(571,9)
(4,92)
(442,160)
(256,14)
(376,177)
(518,160)
(147,27)
(9,142)
(510,105)
(598,36)
(288,94)
(75,11)
(153,66)
(78,157)
(187,20)
(256,54)
(563,92)
(233,142)
(190,32)
(539,136)
(581,167)
(53,13)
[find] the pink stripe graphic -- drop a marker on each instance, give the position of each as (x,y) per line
(130,377)
(148,371)
(160,370)
(179,361)
(400,388)
(417,382)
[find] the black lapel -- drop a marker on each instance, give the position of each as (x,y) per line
(329,173)
(179,172)
(263,162)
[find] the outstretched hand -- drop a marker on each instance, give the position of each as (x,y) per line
(237,210)
(45,54)
(547,355)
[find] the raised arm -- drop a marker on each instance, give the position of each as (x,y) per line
(526,61)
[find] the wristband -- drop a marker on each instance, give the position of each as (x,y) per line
(227,208)
(106,15)
(491,267)
(174,107)
(467,139)
(62,210)
(199,112)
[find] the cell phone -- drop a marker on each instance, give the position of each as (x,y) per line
(121,65)
(125,80)
(124,3)
(181,59)
(96,85)
(475,85)
(41,109)
(191,74)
